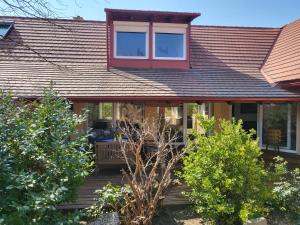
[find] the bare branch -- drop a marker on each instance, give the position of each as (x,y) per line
(152,145)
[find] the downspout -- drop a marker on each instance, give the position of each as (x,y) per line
(188,45)
(107,42)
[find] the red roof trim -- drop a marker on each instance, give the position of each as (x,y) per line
(178,99)
(143,12)
(155,16)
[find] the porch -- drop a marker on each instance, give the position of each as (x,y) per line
(86,193)
(283,117)
(276,124)
(173,197)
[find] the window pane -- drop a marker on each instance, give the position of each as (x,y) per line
(279,125)
(192,110)
(131,44)
(247,112)
(5,27)
(3,30)
(132,112)
(174,118)
(105,111)
(169,45)
(293,125)
(100,121)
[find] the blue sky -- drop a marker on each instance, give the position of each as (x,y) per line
(269,13)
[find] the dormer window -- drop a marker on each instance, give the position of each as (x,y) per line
(148,39)
(169,42)
(131,40)
(5,28)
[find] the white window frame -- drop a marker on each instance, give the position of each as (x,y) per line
(260,130)
(169,29)
(120,26)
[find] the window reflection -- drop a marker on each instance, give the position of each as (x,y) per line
(174,118)
(279,125)
(100,120)
(131,44)
(169,45)
(133,112)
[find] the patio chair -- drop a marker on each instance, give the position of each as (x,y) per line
(273,138)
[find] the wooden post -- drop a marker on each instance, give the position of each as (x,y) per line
(298,130)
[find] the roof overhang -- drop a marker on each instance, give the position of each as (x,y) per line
(178,99)
(153,16)
(291,85)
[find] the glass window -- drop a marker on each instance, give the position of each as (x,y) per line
(100,120)
(247,112)
(279,125)
(131,44)
(133,112)
(5,27)
(169,45)
(192,110)
(174,117)
(106,111)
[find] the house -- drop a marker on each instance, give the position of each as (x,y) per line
(145,64)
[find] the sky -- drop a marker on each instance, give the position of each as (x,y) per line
(263,13)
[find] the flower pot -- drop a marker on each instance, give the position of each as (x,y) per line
(107,219)
(258,221)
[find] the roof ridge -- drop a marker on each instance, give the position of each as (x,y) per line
(242,27)
(268,55)
(52,19)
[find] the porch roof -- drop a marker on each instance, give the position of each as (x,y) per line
(96,83)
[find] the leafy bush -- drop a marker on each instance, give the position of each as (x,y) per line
(109,199)
(225,173)
(284,199)
(41,166)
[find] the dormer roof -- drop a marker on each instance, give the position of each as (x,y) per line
(153,16)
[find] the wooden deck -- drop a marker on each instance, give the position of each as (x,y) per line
(174,197)
(292,159)
(86,193)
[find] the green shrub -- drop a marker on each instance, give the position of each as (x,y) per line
(225,173)
(111,198)
(284,199)
(41,166)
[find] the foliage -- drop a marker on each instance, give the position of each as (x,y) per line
(225,172)
(284,199)
(41,166)
(109,199)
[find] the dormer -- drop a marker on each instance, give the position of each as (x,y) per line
(148,39)
(5,28)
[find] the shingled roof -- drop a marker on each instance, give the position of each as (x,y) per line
(283,62)
(225,62)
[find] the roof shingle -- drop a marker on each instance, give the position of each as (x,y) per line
(225,63)
(283,62)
